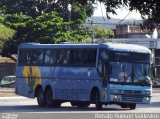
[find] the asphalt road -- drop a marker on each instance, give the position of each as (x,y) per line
(22,105)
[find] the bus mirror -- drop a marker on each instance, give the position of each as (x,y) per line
(110,69)
(104,61)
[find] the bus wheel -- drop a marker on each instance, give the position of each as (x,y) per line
(56,104)
(49,97)
(97,101)
(73,104)
(132,106)
(124,105)
(40,97)
(83,104)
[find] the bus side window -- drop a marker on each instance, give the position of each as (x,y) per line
(50,57)
(22,57)
(89,58)
(28,58)
(92,58)
(66,60)
(37,57)
(75,58)
(60,58)
(40,57)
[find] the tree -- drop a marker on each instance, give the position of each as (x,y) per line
(36,8)
(47,28)
(149,9)
(103,33)
(6,34)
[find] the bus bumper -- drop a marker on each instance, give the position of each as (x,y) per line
(130,99)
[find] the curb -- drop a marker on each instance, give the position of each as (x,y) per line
(13,97)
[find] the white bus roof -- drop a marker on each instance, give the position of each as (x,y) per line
(111,46)
(126,47)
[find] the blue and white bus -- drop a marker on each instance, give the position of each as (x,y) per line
(84,74)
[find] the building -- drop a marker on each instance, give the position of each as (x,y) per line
(131,31)
(7,67)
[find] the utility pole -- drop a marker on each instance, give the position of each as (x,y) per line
(92,30)
(69,16)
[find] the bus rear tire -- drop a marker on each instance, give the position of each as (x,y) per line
(49,97)
(56,103)
(73,104)
(40,97)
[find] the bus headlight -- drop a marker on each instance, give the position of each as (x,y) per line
(146,92)
(146,100)
(116,98)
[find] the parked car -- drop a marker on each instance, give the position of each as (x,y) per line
(8,82)
(156,83)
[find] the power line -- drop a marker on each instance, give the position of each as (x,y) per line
(103,23)
(125,17)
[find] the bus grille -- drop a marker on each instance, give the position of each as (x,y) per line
(132,92)
(136,99)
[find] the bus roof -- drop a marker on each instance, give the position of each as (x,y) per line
(125,47)
(111,46)
(38,45)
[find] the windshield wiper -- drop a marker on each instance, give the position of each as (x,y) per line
(144,82)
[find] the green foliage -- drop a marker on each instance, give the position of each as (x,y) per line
(35,21)
(78,13)
(47,28)
(5,35)
(103,33)
(36,8)
(149,9)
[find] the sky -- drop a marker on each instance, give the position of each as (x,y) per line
(121,13)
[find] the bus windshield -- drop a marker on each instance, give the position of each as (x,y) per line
(134,73)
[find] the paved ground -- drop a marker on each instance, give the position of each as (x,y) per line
(21,106)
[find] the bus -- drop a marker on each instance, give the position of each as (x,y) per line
(84,74)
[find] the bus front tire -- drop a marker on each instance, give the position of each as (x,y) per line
(97,101)
(84,104)
(80,104)
(40,97)
(132,106)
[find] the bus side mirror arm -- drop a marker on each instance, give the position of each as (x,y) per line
(154,72)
